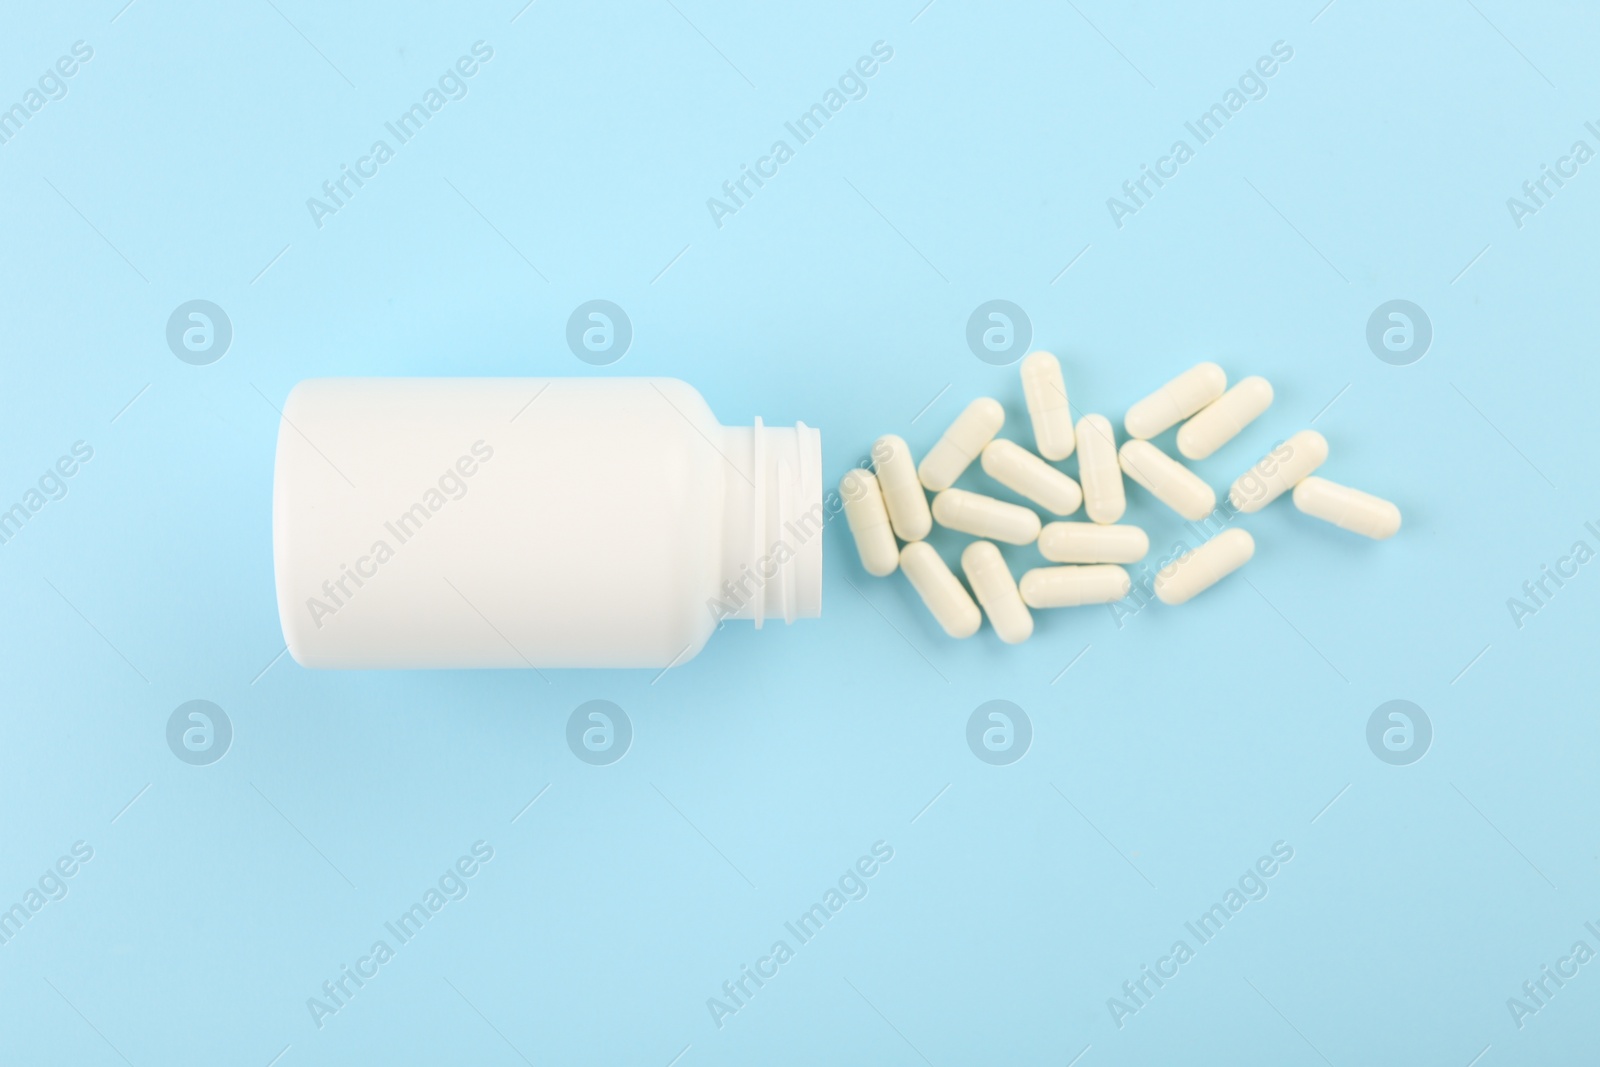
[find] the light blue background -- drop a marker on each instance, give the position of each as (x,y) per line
(1171,755)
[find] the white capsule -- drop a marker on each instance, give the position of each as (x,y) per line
(1349,509)
(1070,587)
(1103,498)
(984,516)
(1046,394)
(940,589)
(1175,401)
(1279,471)
(996,590)
(1199,569)
(1026,474)
(1167,480)
(1089,542)
(869,521)
(902,492)
(1221,420)
(961,443)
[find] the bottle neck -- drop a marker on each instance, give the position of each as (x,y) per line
(772,524)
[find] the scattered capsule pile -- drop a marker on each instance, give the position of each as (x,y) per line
(889,504)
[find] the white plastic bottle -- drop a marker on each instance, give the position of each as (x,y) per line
(534,522)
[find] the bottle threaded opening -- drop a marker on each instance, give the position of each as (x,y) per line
(772,553)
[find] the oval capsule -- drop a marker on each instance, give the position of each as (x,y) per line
(1027,475)
(996,591)
(903,497)
(961,443)
(984,516)
(1090,542)
(1279,471)
(869,521)
(1175,401)
(1046,393)
(1199,569)
(1221,420)
(1169,481)
(1098,471)
(1347,508)
(940,590)
(1070,587)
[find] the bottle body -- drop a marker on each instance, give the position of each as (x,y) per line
(522,522)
